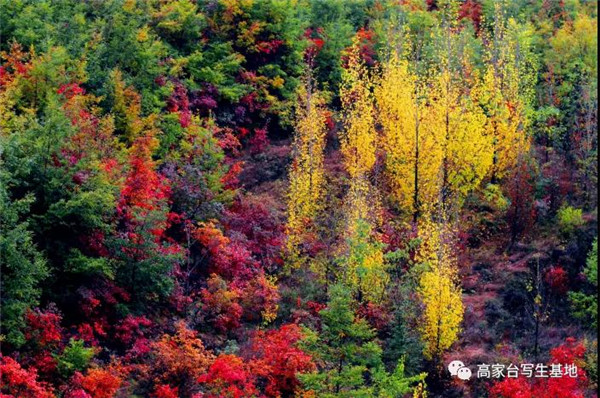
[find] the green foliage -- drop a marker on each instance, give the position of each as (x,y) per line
(591,265)
(83,265)
(394,384)
(23,267)
(585,306)
(74,358)
(345,347)
(128,126)
(347,351)
(364,269)
(493,195)
(569,219)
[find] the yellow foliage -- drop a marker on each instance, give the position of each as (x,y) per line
(358,138)
(505,93)
(127,107)
(413,149)
(306,170)
(420,391)
(466,145)
(363,266)
(440,295)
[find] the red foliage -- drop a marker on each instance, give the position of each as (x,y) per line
(100,302)
(366,43)
(471,9)
(231,179)
(315,307)
(86,333)
(277,359)
(270,46)
(130,328)
(144,190)
(43,326)
(377,316)
(259,140)
(316,43)
(329,120)
(70,90)
(512,388)
(93,137)
(557,279)
(228,377)
(570,353)
(521,191)
(166,391)
(77,393)
(259,298)
(251,100)
(221,305)
(179,102)
(44,362)
(18,382)
(256,219)
(229,258)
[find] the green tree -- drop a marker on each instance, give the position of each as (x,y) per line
(75,357)
(585,305)
(348,356)
(22,266)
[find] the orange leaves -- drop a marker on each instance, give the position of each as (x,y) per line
(224,304)
(180,358)
(101,383)
(144,188)
(221,305)
(17,63)
(260,298)
(228,258)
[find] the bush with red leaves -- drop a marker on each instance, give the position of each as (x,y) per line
(18,382)
(43,327)
(228,376)
(558,280)
(277,360)
(570,353)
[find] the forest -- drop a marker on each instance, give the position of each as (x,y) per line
(298,198)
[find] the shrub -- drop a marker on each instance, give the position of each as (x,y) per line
(569,219)
(75,357)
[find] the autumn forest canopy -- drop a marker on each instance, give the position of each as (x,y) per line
(297,198)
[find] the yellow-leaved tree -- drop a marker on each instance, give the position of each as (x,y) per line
(306,175)
(412,147)
(362,263)
(507,90)
(439,291)
(358,138)
(467,147)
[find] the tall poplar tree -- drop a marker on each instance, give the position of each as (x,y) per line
(363,267)
(439,292)
(413,152)
(306,171)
